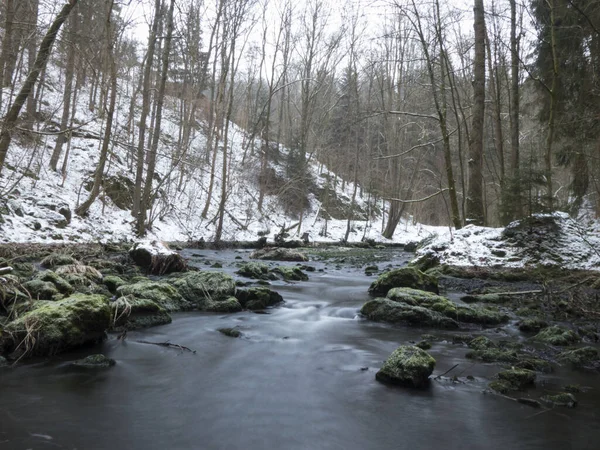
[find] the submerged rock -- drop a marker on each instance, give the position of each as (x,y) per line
(98,361)
(231,332)
(279,254)
(407,366)
(581,357)
(556,335)
(562,399)
(55,327)
(258,298)
(223,305)
(409,277)
(533,325)
(290,273)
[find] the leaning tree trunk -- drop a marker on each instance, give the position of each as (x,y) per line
(82,209)
(40,63)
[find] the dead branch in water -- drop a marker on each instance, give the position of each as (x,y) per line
(169,345)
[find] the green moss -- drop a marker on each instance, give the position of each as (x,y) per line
(88,272)
(404,277)
(161,293)
(226,305)
(408,366)
(562,399)
(113,282)
(254,270)
(531,363)
(556,335)
(98,361)
(202,288)
(58,259)
(532,325)
(572,388)
(63,286)
(501,386)
(41,290)
(290,273)
(258,298)
(482,343)
(231,332)
(385,310)
(54,327)
(423,345)
(130,313)
(519,378)
(580,357)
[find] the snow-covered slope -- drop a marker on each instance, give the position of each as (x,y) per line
(37,204)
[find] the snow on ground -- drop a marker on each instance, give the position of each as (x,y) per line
(41,206)
(554,240)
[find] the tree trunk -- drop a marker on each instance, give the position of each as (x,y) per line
(146,203)
(475,211)
(40,63)
(68,93)
(82,209)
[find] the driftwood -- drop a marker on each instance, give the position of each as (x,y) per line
(169,345)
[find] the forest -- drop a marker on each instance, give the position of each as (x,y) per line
(441,112)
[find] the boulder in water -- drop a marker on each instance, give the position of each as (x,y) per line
(408,365)
(156,258)
(279,254)
(409,277)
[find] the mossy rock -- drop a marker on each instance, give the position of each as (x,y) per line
(407,366)
(130,313)
(416,297)
(556,335)
(81,270)
(98,361)
(501,386)
(278,254)
(562,399)
(481,316)
(385,310)
(223,305)
(519,378)
(161,293)
(55,327)
(22,270)
(63,286)
(532,325)
(202,288)
(584,357)
(404,277)
(532,363)
(11,291)
(258,298)
(41,290)
(231,332)
(482,343)
(423,345)
(58,259)
(113,282)
(290,273)
(256,270)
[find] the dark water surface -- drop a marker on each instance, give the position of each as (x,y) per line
(296,380)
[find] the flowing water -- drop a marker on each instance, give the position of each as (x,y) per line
(301,377)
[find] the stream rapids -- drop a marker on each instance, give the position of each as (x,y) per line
(300,377)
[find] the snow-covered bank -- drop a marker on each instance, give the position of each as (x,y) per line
(546,240)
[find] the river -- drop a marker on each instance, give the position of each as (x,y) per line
(301,377)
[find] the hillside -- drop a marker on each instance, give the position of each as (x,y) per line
(37,204)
